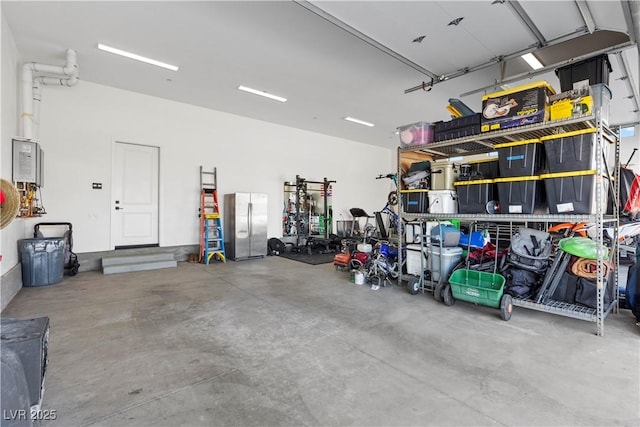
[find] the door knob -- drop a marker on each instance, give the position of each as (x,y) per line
(118,208)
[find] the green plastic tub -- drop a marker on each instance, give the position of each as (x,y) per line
(478,287)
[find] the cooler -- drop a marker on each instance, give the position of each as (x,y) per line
(521,158)
(574,192)
(521,195)
(450,258)
(445,235)
(443,174)
(473,196)
(415,229)
(443,201)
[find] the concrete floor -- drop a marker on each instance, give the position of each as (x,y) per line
(278,342)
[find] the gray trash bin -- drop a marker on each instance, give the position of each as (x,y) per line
(42,261)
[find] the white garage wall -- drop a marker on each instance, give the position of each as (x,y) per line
(79,126)
(9,79)
(626,149)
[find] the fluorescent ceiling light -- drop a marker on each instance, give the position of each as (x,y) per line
(262,93)
(137,57)
(358,121)
(532,61)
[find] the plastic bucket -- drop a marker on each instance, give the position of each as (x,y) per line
(359,278)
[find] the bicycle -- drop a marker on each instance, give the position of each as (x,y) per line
(394,222)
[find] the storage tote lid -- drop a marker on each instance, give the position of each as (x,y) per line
(516,143)
(567,174)
(418,190)
(518,178)
(568,134)
(539,84)
(477,181)
(414,125)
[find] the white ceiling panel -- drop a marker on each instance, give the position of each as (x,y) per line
(558,19)
(396,23)
(608,16)
(282,47)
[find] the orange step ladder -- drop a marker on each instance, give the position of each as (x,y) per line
(211,234)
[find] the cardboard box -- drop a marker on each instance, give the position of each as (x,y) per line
(522,105)
(572,103)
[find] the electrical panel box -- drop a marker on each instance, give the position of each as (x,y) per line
(28,162)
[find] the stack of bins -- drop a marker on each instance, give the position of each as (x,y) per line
(476,187)
(520,188)
(571,181)
(442,197)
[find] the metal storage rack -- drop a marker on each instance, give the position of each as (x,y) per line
(485,142)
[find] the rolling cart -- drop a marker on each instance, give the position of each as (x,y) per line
(479,287)
(437,273)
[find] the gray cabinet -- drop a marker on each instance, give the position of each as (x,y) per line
(246,225)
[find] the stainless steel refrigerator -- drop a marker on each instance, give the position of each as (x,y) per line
(246,225)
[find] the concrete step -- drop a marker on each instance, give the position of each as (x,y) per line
(128,259)
(138,266)
(127,264)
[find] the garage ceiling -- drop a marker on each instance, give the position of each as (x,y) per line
(332,59)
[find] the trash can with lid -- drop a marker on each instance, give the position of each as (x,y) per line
(42,261)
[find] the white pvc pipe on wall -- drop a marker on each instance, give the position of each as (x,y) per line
(66,75)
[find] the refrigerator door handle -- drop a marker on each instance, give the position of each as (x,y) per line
(250,216)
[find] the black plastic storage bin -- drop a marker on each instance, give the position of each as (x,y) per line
(458,127)
(415,201)
(473,196)
(522,195)
(595,69)
(487,169)
(521,158)
(42,261)
(571,151)
(574,192)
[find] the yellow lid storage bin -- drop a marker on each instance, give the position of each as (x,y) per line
(473,196)
(575,192)
(522,195)
(571,151)
(521,158)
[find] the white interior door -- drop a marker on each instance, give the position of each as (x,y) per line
(134,204)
